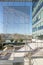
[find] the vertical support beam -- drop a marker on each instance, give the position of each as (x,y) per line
(27,59)
(29,56)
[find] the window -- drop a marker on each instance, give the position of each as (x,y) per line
(42,14)
(42,23)
(39,17)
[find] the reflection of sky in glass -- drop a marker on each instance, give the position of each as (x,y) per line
(16,19)
(22,14)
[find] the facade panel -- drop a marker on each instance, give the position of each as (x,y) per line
(37,19)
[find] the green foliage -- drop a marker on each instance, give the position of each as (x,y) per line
(16,41)
(12,40)
(1,46)
(21,40)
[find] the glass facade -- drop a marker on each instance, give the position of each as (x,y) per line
(38,7)
(15,17)
(38,27)
(38,16)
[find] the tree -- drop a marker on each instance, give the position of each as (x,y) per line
(21,40)
(12,40)
(16,41)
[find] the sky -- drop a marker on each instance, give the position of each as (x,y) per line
(18,15)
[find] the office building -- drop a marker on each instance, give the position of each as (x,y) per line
(37,19)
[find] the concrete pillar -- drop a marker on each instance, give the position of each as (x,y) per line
(26,61)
